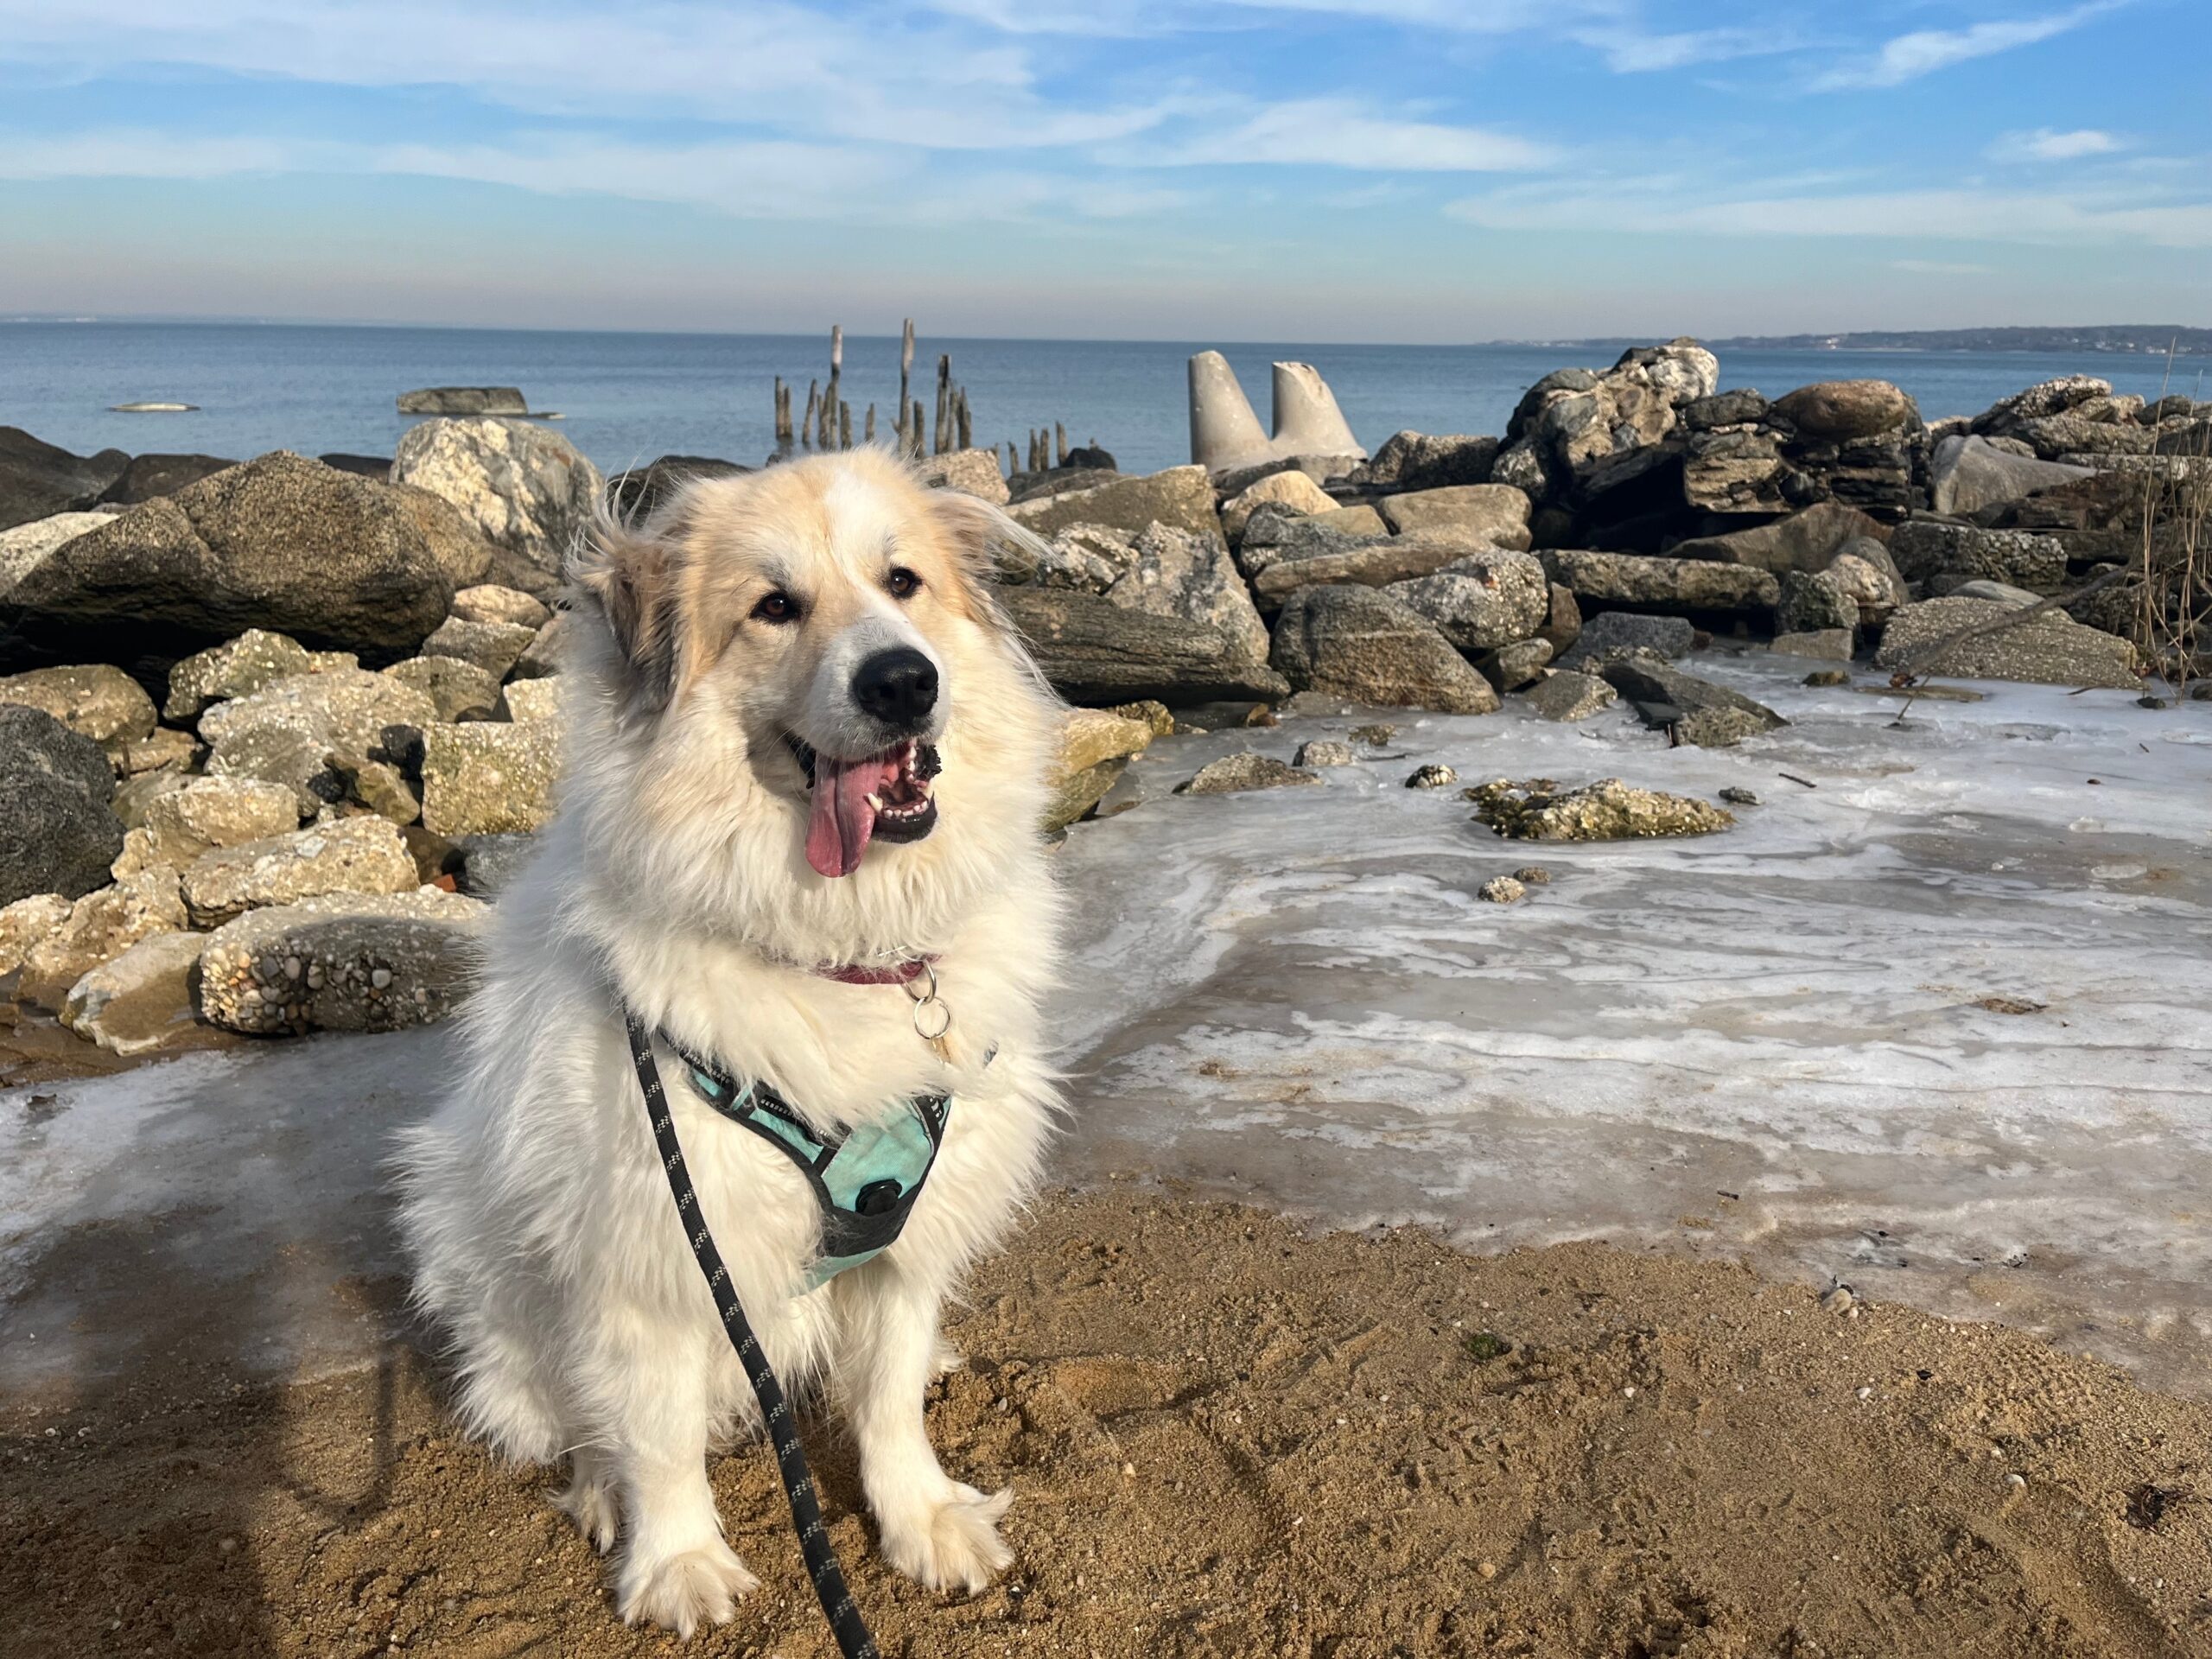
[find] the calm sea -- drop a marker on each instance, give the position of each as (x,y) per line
(626,398)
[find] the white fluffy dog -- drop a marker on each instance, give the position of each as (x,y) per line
(770,668)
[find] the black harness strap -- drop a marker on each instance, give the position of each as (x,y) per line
(845,1623)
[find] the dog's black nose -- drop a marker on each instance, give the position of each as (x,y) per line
(899,687)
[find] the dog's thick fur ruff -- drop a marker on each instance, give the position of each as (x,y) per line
(674,881)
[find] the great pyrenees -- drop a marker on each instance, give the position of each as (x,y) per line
(798,844)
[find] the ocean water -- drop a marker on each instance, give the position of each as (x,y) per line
(627,398)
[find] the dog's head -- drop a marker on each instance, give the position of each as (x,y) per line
(805,678)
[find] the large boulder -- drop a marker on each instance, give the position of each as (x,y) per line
(1289,489)
(1096,651)
(360,854)
(94,700)
(970,472)
(1573,425)
(1181,497)
(37,481)
(1494,515)
(523,488)
(1564,694)
(641,491)
(489,776)
(202,814)
(1814,601)
(1926,549)
(1803,541)
(56,832)
(1840,410)
(2051,649)
(2046,397)
(461,690)
(100,927)
(1095,747)
(344,962)
(309,731)
(1611,635)
(1418,460)
(495,647)
(281,543)
(491,603)
(1180,574)
(148,476)
(239,667)
(28,545)
(1969,473)
(1709,715)
(1354,642)
(141,1002)
(1481,602)
(1675,584)
(1373,563)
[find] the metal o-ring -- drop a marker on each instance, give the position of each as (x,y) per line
(944,1019)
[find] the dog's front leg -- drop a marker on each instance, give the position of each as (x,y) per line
(934,1529)
(651,1401)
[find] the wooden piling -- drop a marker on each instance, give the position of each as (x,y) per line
(813,413)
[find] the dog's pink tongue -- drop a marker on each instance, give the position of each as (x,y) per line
(841,819)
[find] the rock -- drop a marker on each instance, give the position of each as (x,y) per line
(1154,716)
(2004,595)
(1611,635)
(1374,564)
(1925,548)
(1735,470)
(297,731)
(1512,667)
(495,647)
(1831,643)
(366,963)
(1572,425)
(1827,676)
(458,689)
(205,814)
(1563,621)
(489,602)
(94,701)
(56,832)
(1375,736)
(134,796)
(2050,437)
(1837,410)
(1359,644)
(1057,480)
(489,864)
(38,481)
(140,1002)
(463,400)
(376,467)
(1803,541)
(1096,748)
(28,545)
(1684,584)
(1091,458)
(1609,810)
(1181,497)
(1567,696)
(26,923)
(1094,651)
(1432,777)
(643,490)
(1414,461)
(1969,473)
(1742,407)
(2047,397)
(235,668)
(149,476)
(1290,490)
(484,777)
(1179,574)
(523,488)
(1865,572)
(1318,752)
(1814,601)
(1736,795)
(2051,649)
(544,655)
(1482,602)
(281,544)
(1665,695)
(360,854)
(163,749)
(1496,515)
(1502,890)
(1236,773)
(1088,558)
(970,472)
(544,698)
(100,927)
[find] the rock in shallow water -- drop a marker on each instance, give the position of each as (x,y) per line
(2051,649)
(1358,642)
(140,1001)
(1568,696)
(1235,773)
(1539,810)
(1095,747)
(343,962)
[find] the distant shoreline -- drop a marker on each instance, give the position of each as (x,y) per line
(2145,339)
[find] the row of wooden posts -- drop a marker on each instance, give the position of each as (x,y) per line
(828,420)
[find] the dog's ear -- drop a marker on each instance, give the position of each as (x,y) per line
(985,544)
(629,572)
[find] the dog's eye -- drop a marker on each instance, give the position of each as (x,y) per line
(777,607)
(902,582)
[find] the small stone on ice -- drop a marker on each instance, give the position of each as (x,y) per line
(1838,1300)
(1533,875)
(1432,778)
(1737,795)
(1501,890)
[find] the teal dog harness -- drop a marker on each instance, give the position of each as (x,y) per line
(864,1182)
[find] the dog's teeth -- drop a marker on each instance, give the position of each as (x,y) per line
(876,801)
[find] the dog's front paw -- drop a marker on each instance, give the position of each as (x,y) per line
(589,1501)
(682,1590)
(954,1545)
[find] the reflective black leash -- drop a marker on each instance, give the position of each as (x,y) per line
(822,1565)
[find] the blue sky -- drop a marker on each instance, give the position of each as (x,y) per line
(1315,170)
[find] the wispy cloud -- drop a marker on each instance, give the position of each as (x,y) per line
(1908,57)
(2045,145)
(1341,132)
(1631,51)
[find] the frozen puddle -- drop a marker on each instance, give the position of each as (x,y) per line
(1788,1042)
(1770,1044)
